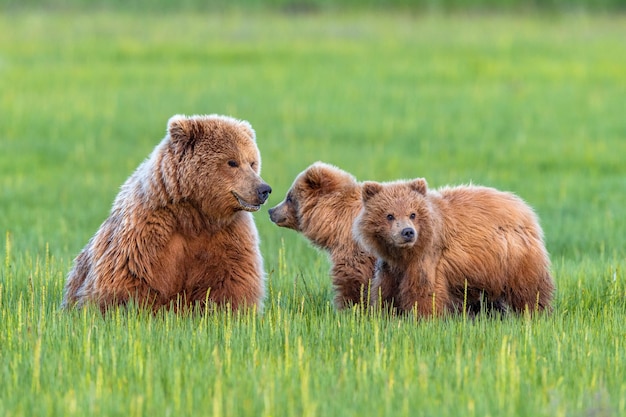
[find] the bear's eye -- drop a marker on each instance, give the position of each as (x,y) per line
(252,165)
(412,216)
(233,164)
(289,199)
(390,217)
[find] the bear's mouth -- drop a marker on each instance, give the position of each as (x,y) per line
(245,205)
(404,244)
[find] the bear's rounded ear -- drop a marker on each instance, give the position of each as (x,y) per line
(179,129)
(370,189)
(247,127)
(315,177)
(419,185)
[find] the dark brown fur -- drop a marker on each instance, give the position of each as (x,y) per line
(322,205)
(180,232)
(441,250)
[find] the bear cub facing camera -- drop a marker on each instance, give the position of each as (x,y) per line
(441,251)
(322,204)
(180,232)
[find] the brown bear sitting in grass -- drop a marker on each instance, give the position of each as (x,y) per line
(180,232)
(322,205)
(441,251)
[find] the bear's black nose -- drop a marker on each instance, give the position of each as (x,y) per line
(408,233)
(274,217)
(263,192)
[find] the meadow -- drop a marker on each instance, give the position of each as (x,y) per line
(531,103)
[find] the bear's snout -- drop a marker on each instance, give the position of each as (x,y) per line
(254,198)
(282,216)
(278,215)
(263,192)
(408,234)
(403,235)
(271,213)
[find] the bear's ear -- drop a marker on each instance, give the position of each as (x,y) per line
(317,178)
(419,185)
(247,127)
(370,189)
(180,130)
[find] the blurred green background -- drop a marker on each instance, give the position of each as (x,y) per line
(416,6)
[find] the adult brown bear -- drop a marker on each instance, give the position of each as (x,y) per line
(180,232)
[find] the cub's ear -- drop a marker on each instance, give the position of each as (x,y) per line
(312,178)
(370,189)
(419,185)
(318,177)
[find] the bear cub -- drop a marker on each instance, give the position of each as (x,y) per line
(441,251)
(180,232)
(322,204)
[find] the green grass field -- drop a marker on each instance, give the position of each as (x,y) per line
(533,104)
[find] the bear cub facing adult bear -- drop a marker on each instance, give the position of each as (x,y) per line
(322,204)
(180,232)
(441,251)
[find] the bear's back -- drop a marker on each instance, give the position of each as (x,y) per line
(481,206)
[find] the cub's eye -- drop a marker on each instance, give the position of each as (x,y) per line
(252,165)
(289,199)
(390,217)
(412,216)
(233,164)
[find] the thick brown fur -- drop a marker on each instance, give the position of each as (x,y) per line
(322,204)
(180,232)
(441,251)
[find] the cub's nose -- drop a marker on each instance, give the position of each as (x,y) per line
(274,217)
(263,192)
(408,233)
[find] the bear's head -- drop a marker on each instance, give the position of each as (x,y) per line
(395,218)
(216,163)
(321,204)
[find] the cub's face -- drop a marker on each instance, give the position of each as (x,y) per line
(219,162)
(392,215)
(314,202)
(403,227)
